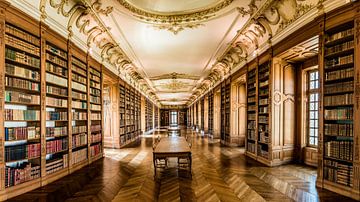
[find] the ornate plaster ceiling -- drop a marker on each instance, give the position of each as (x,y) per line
(174,51)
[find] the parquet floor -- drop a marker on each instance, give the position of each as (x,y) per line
(219,174)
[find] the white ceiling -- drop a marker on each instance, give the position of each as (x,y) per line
(156,52)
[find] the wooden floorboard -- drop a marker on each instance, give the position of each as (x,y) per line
(218,174)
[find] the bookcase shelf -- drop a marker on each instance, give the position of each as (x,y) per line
(338,112)
(251,111)
(211,112)
(148,115)
(225,111)
(202,114)
(41,90)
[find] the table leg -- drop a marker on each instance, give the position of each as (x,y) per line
(190,164)
(154,159)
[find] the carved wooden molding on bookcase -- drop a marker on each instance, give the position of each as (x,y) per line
(279,98)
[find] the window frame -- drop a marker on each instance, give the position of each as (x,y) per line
(307,105)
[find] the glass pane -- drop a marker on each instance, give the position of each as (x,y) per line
(312,124)
(316,95)
(316,122)
(316,105)
(312,115)
(311,141)
(312,106)
(312,85)
(312,76)
(312,97)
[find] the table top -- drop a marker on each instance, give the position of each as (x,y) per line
(172,145)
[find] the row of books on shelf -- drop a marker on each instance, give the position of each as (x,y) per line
(94,85)
(263,91)
(21,152)
(22,58)
(263,137)
(56,90)
(95,107)
(97,137)
(264,83)
(251,117)
(78,86)
(339,129)
(56,131)
(22,133)
(264,101)
(79,129)
(22,34)
(20,97)
(57,60)
(339,87)
(94,99)
(264,74)
(251,85)
(95,116)
(21,115)
(79,96)
(251,99)
(56,116)
(339,35)
(21,83)
(56,51)
(56,70)
(95,92)
(251,92)
(340,47)
(79,140)
(344,99)
(79,156)
(263,119)
(251,147)
(57,164)
(79,104)
(79,116)
(54,146)
(339,74)
(95,78)
(22,45)
(338,114)
(337,172)
(95,150)
(263,110)
(95,72)
(78,63)
(251,134)
(339,149)
(14,70)
(56,80)
(24,172)
(78,70)
(78,78)
(342,60)
(251,107)
(50,101)
(264,128)
(95,128)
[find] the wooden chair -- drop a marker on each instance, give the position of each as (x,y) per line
(160,163)
(184,163)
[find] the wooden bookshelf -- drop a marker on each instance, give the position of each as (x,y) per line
(211,112)
(251,137)
(202,114)
(22,116)
(149,115)
(225,111)
(338,160)
(122,117)
(40,90)
(156,116)
(263,127)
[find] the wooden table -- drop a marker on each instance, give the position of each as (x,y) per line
(172,147)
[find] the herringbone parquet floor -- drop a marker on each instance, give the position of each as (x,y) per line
(219,174)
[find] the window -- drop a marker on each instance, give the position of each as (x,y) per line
(173,116)
(313,108)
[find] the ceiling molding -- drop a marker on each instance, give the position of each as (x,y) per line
(176,17)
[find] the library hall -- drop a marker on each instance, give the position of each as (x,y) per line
(179,100)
